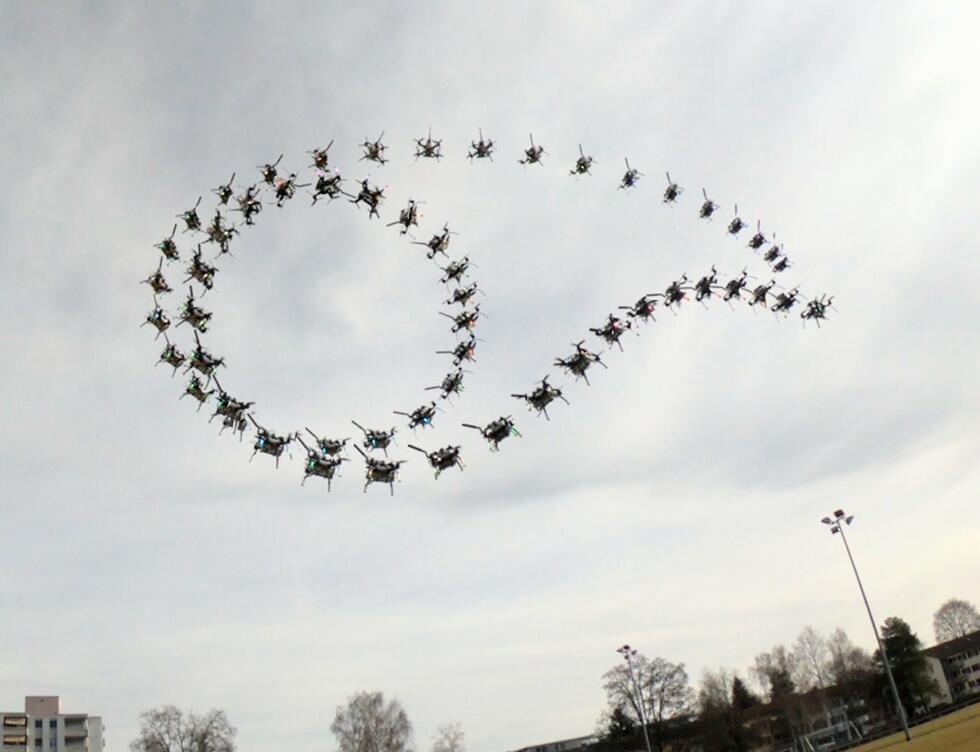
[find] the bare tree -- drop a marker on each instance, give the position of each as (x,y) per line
(812,660)
(664,693)
(848,663)
(774,672)
(955,618)
(369,724)
(168,729)
(449,738)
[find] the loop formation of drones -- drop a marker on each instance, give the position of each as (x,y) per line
(325,455)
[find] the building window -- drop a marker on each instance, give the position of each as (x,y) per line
(53,743)
(38,723)
(53,723)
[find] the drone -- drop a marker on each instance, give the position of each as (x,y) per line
(230,409)
(643,308)
(156,281)
(612,330)
(171,356)
(533,154)
(428,148)
(816,309)
(374,150)
(320,158)
(327,185)
(218,233)
(772,253)
(578,363)
(319,464)
(200,270)
(407,217)
(758,240)
(286,188)
(455,270)
(464,320)
(237,425)
(420,416)
(705,287)
(676,292)
(452,383)
(481,149)
(197,317)
(374,439)
(785,301)
(225,192)
(496,431)
(463,295)
(268,442)
(190,217)
(249,204)
(269,171)
(734,286)
(541,397)
(463,351)
(441,459)
(196,390)
(760,294)
(168,247)
(370,196)
(781,265)
(157,318)
(329,447)
(631,178)
(736,225)
(672,191)
(380,471)
(708,207)
(583,164)
(202,361)
(438,243)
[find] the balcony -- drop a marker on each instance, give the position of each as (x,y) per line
(15,721)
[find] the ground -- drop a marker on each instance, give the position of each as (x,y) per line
(956,732)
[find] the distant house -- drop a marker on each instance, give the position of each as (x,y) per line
(563,745)
(955,666)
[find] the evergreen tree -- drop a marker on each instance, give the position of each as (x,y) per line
(907,663)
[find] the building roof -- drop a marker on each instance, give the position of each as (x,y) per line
(946,650)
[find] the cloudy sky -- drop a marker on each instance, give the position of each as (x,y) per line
(675,504)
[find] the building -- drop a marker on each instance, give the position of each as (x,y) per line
(42,726)
(955,665)
(564,745)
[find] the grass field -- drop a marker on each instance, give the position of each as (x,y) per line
(956,732)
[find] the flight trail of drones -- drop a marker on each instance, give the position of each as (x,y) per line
(325,455)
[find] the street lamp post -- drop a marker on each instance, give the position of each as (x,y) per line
(627,652)
(837,524)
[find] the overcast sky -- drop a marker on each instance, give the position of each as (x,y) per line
(675,504)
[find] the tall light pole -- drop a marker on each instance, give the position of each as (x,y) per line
(837,524)
(627,652)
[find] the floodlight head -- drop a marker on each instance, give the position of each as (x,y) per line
(848,519)
(839,513)
(826,520)
(834,530)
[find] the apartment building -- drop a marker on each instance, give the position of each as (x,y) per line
(955,665)
(42,727)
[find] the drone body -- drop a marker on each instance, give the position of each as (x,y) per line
(496,431)
(375,438)
(542,396)
(269,443)
(374,151)
(420,417)
(482,149)
(583,164)
(533,154)
(579,362)
(441,459)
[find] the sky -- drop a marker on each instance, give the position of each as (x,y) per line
(675,504)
